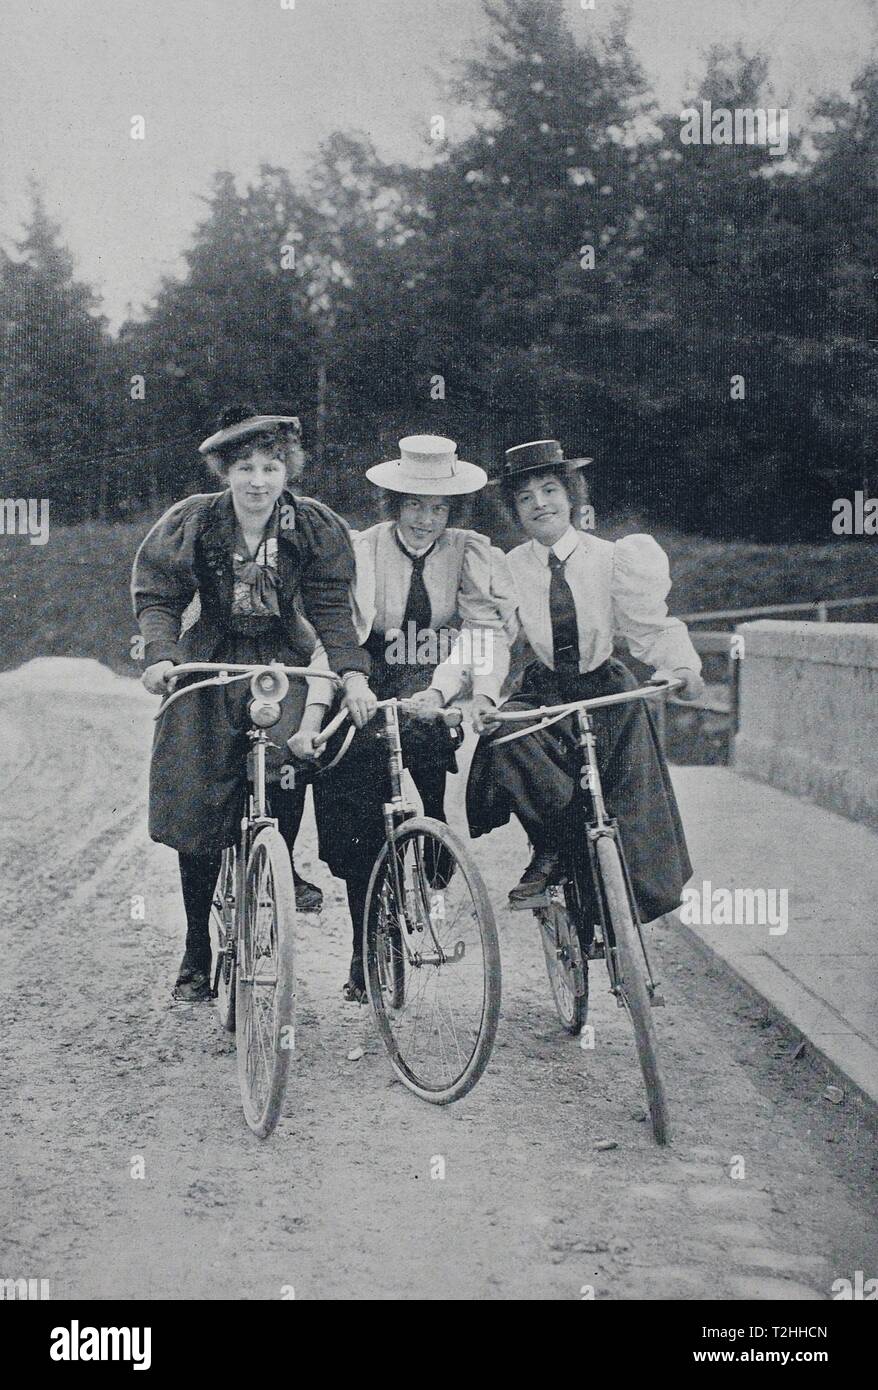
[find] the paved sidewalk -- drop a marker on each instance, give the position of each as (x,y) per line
(822,973)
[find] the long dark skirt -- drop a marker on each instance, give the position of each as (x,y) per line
(349,800)
(535,777)
(197,782)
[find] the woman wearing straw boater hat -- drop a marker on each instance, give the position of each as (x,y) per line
(575,593)
(255,556)
(423,596)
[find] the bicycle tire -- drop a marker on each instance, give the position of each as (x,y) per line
(269,891)
(458,868)
(564,957)
(632,983)
(223,932)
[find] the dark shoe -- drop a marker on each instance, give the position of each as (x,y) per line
(193,984)
(309,898)
(354,989)
(543,869)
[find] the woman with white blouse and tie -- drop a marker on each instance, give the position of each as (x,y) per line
(423,607)
(573,594)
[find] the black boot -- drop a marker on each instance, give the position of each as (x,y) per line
(198,875)
(309,898)
(543,869)
(193,984)
(354,988)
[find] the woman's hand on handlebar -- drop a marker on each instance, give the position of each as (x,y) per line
(155,678)
(482,709)
(301,745)
(359,701)
(693,685)
(424,704)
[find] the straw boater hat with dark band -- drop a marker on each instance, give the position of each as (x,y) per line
(428,466)
(234,431)
(537,457)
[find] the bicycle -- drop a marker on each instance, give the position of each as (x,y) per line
(430,949)
(567,926)
(253,915)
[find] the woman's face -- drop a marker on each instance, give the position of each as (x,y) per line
(257,481)
(543,508)
(422,520)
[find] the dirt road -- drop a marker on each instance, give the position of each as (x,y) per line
(103,1079)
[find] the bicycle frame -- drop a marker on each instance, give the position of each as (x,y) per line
(396,812)
(597,824)
(256,816)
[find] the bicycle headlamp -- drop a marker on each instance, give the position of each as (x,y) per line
(264,713)
(269,685)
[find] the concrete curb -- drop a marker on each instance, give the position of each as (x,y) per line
(842,1054)
(819,973)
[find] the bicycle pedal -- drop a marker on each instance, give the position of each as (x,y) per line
(529,904)
(657,1000)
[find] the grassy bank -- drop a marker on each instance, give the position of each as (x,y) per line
(70,596)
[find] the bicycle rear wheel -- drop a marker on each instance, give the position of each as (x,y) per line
(566,966)
(631,982)
(266,981)
(432,961)
(223,924)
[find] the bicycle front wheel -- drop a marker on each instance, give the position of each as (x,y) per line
(432,961)
(566,965)
(223,926)
(631,982)
(266,981)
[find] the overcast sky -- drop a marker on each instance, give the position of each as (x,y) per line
(232,83)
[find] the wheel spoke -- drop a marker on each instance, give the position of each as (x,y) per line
(266,1001)
(441,1030)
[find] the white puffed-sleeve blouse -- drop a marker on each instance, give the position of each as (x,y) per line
(619,590)
(458,580)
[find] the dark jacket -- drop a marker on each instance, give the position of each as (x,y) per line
(189,551)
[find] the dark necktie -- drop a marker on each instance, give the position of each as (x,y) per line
(418,609)
(562,611)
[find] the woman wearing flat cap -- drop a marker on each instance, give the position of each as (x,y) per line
(268,571)
(574,594)
(423,597)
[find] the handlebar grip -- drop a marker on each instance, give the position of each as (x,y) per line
(452,717)
(674,684)
(326,733)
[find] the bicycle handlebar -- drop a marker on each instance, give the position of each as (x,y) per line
(250,669)
(227,672)
(551,714)
(450,717)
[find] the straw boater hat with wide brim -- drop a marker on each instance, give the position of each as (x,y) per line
(428,466)
(245,429)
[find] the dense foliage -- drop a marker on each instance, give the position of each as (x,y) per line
(457,297)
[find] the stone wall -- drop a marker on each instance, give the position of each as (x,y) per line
(809,712)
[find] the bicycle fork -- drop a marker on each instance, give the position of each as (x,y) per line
(397,810)
(602,825)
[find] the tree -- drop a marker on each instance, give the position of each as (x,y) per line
(54,351)
(238,326)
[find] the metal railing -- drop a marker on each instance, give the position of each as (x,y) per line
(820,607)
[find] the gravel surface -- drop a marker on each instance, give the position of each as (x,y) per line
(552,1186)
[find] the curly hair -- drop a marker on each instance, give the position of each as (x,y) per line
(391,503)
(284,440)
(571,479)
